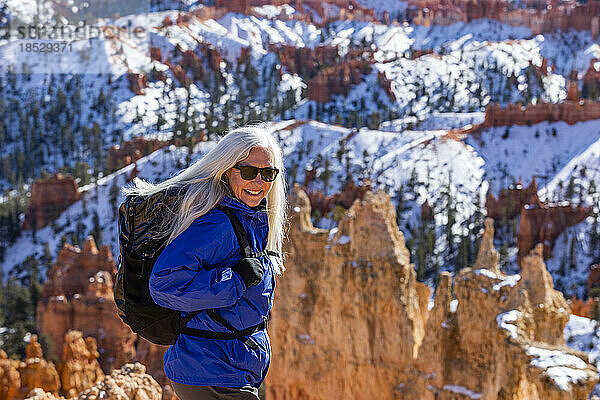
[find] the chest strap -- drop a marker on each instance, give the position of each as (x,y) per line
(235,334)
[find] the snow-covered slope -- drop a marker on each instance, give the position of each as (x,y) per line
(584,334)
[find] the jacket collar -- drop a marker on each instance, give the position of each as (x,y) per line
(234,203)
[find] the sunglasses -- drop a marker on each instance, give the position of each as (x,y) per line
(248,172)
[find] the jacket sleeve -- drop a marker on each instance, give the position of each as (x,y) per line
(194,271)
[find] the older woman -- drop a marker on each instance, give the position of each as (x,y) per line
(203,267)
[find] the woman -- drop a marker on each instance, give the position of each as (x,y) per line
(200,267)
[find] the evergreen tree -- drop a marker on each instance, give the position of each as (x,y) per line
(572,258)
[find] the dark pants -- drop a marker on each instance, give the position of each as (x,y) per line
(192,392)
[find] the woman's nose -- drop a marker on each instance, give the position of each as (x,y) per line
(258,179)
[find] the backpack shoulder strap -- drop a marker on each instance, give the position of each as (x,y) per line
(242,235)
(240,232)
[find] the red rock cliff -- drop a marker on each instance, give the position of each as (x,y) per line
(137,82)
(511,201)
(306,61)
(78,295)
(336,80)
(541,17)
(50,197)
(544,225)
(514,114)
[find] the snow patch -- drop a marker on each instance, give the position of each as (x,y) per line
(504,321)
(462,390)
(453,305)
(561,367)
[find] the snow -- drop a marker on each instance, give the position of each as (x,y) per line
(332,233)
(305,338)
(486,272)
(27,10)
(453,305)
(583,334)
(159,165)
(462,390)
(270,11)
(510,280)
(343,239)
(561,367)
(434,93)
(504,321)
(393,7)
(555,156)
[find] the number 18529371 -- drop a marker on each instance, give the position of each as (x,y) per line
(46,47)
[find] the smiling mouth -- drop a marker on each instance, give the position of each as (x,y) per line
(252,192)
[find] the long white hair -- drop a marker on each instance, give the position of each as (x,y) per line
(202,186)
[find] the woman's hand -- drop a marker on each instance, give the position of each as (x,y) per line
(251,271)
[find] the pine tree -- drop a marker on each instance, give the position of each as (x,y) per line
(572,258)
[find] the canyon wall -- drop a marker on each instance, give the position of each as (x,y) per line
(351,321)
(305,61)
(336,80)
(348,317)
(544,225)
(515,114)
(78,295)
(510,201)
(540,18)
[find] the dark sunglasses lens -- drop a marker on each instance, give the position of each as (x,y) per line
(248,173)
(268,174)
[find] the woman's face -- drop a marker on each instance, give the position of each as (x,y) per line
(251,192)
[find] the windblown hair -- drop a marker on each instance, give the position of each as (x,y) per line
(202,187)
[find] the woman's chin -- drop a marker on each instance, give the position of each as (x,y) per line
(251,201)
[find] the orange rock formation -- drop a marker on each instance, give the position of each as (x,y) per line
(345,198)
(35,372)
(426,211)
(78,295)
(50,197)
(386,84)
(337,80)
(351,321)
(152,355)
(510,201)
(544,224)
(594,276)
(127,383)
(305,61)
(80,368)
(542,17)
(514,114)
(191,61)
(10,379)
(137,82)
(581,308)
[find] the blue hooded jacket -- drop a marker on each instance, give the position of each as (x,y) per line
(194,273)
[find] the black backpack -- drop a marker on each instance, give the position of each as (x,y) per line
(138,253)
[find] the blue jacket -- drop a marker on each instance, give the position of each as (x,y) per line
(194,273)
